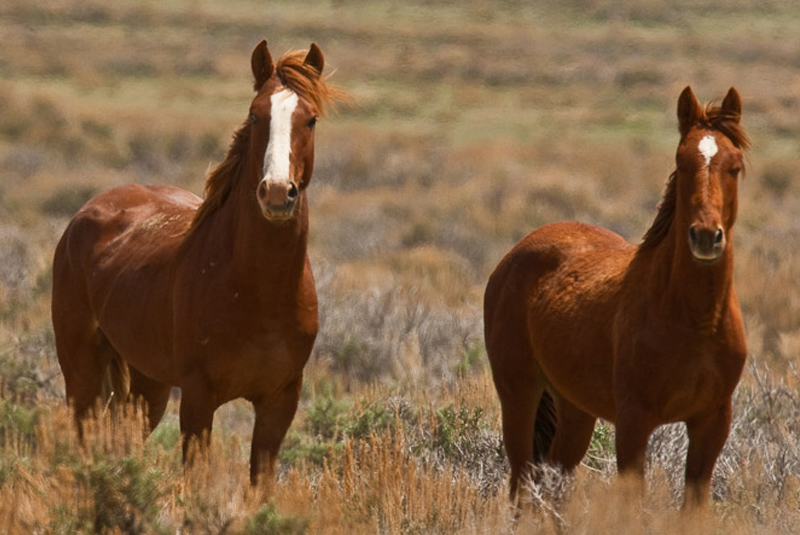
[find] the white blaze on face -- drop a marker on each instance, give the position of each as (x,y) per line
(279,148)
(708,148)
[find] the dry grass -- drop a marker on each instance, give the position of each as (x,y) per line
(392,461)
(472,125)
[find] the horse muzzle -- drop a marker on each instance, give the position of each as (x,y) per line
(706,244)
(277,199)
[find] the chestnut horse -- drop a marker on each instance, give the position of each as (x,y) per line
(153,287)
(581,324)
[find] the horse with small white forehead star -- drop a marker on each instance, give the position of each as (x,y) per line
(581,324)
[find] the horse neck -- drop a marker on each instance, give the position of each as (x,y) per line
(697,294)
(272,252)
(264,257)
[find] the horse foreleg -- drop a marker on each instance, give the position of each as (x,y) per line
(273,417)
(633,428)
(197,416)
(707,436)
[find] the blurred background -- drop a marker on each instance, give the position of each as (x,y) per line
(471,125)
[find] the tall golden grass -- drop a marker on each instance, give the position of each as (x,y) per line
(472,125)
(429,465)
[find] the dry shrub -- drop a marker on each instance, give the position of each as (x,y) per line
(392,332)
(381,483)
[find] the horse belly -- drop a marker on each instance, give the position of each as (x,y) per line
(139,330)
(582,374)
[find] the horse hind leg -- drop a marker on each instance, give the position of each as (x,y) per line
(82,348)
(519,382)
(122,383)
(84,355)
(520,392)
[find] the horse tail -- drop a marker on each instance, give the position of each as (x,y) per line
(117,376)
(545,427)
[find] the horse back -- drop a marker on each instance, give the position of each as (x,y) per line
(557,260)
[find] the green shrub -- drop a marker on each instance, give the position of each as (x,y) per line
(268,521)
(324,417)
(473,359)
(125,493)
(166,435)
(17,422)
(602,450)
(372,418)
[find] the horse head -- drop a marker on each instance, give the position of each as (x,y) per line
(709,161)
(290,97)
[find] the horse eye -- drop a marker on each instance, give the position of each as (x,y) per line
(312,122)
(735,172)
(253,118)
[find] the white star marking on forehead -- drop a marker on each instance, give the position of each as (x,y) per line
(708,148)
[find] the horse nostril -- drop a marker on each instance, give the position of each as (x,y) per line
(693,234)
(293,192)
(718,237)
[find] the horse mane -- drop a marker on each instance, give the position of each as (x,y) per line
(714,118)
(294,74)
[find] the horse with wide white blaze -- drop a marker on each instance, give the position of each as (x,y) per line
(154,287)
(581,324)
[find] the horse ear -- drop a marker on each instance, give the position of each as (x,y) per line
(688,110)
(261,63)
(314,58)
(732,105)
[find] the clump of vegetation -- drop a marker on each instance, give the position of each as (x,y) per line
(268,521)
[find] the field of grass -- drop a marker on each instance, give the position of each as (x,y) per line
(469,127)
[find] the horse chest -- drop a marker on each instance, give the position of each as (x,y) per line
(697,390)
(678,380)
(253,364)
(252,349)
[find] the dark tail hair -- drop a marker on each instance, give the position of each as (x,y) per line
(117,377)
(545,427)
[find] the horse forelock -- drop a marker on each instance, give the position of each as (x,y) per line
(309,84)
(716,118)
(713,118)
